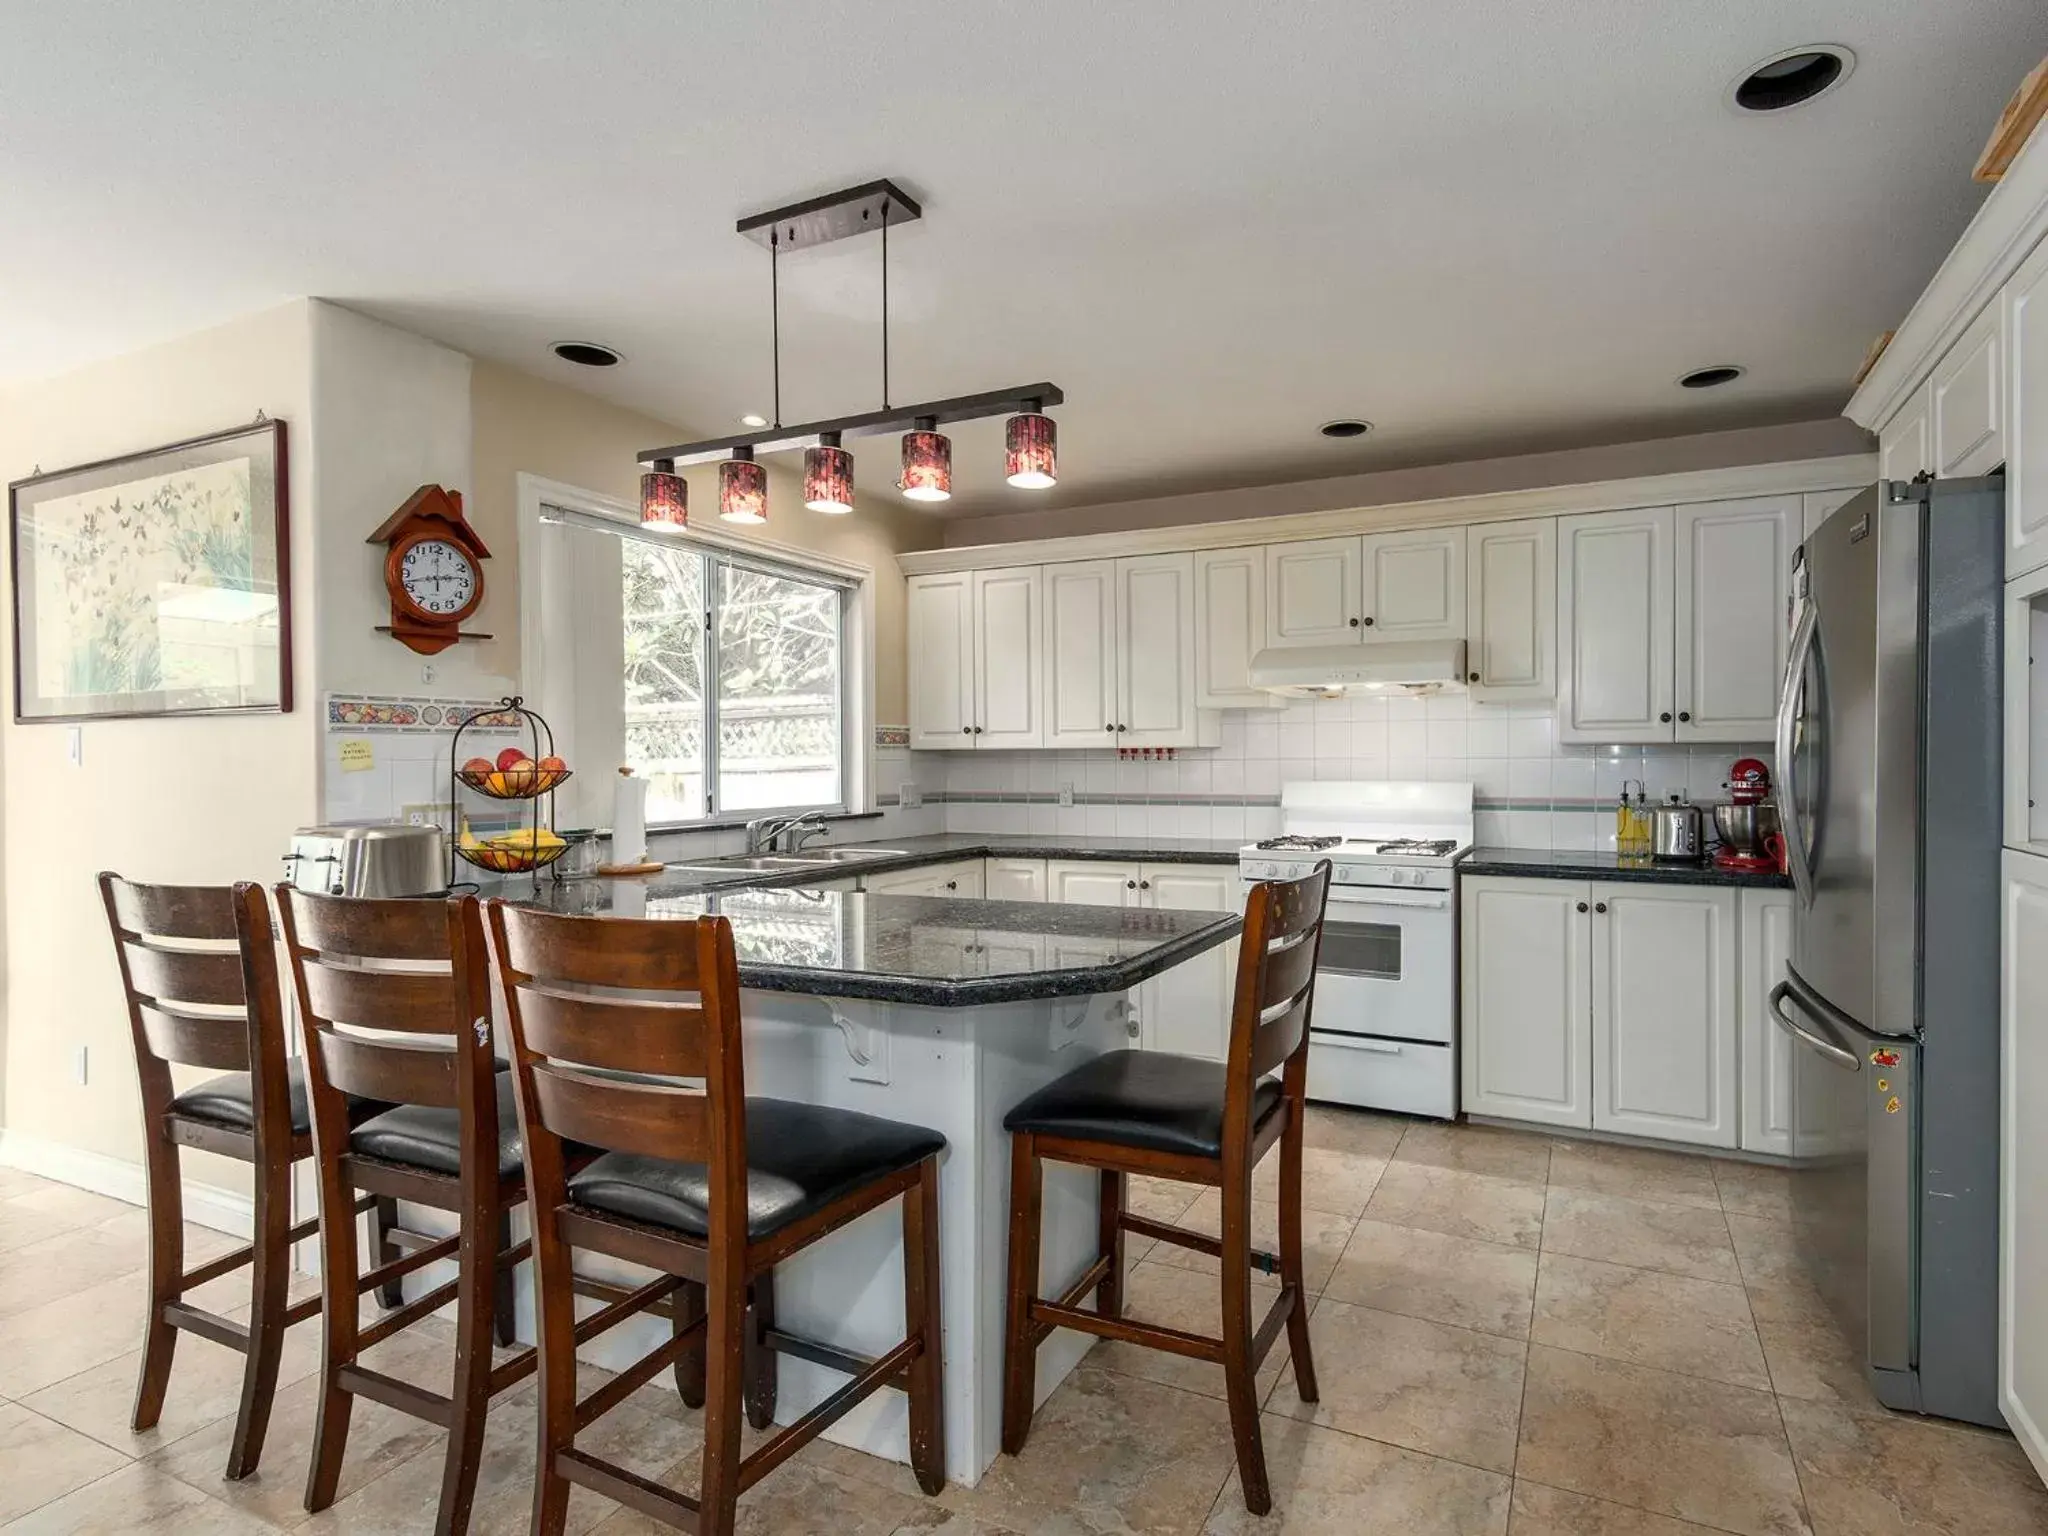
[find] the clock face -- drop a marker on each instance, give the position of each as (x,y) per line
(438,576)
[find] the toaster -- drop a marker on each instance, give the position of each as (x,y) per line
(369,858)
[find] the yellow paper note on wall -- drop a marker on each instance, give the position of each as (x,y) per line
(357,755)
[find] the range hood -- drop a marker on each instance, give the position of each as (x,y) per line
(1324,671)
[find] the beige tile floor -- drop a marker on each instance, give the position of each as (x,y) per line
(1514,1333)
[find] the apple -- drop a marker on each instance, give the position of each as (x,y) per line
(477,765)
(553,765)
(512,757)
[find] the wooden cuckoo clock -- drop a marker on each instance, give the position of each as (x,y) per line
(434,571)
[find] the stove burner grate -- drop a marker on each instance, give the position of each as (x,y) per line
(1434,848)
(1297,840)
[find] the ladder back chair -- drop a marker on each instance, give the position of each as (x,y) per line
(701,1184)
(394,1002)
(1201,1122)
(199,970)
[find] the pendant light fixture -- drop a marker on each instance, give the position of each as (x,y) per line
(1032,440)
(828,476)
(927,462)
(743,488)
(664,498)
(927,453)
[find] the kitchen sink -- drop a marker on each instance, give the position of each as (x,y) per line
(851,855)
(782,863)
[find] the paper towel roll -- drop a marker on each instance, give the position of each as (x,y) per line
(629,819)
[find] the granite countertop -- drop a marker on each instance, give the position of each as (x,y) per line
(1569,864)
(922,950)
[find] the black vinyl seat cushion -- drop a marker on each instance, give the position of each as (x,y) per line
(229,1100)
(1152,1100)
(800,1159)
(427,1137)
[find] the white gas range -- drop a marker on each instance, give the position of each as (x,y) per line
(1384,1031)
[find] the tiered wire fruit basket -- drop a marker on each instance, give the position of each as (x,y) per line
(531,781)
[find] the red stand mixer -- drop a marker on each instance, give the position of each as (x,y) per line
(1747,823)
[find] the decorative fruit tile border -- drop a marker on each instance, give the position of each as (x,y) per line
(358,712)
(892,735)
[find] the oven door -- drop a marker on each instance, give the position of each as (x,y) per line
(1388,966)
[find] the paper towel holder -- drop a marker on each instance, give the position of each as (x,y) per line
(643,866)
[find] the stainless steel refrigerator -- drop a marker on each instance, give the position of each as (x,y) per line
(1889,762)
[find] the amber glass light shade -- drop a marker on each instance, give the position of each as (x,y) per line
(1032,462)
(927,465)
(664,498)
(743,490)
(828,477)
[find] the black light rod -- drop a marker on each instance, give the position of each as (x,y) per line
(898,418)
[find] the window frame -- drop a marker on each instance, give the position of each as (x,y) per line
(553,581)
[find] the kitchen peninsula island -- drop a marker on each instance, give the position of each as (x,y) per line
(944,1013)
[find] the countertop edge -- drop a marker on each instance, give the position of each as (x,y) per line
(1560,864)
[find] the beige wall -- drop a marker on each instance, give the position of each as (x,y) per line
(525,424)
(1430,482)
(190,801)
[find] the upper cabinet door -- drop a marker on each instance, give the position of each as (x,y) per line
(1230,624)
(1080,657)
(1414,585)
(1969,400)
(1314,592)
(1155,632)
(1614,626)
(1905,446)
(941,636)
(1008,658)
(1511,603)
(2026,450)
(1733,588)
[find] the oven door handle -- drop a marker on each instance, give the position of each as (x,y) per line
(1419,901)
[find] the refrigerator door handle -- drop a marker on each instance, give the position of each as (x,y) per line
(1803,632)
(1826,1048)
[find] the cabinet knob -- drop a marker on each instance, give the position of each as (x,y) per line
(1123,727)
(1685,714)
(1582,906)
(954,885)
(1599,906)
(1144,885)
(1354,623)
(1473,678)
(1665,717)
(1368,621)
(977,730)
(1110,727)
(1130,885)
(966,730)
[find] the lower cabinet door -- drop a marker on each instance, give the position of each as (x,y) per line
(1664,1012)
(1525,1008)
(1187,1008)
(1091,883)
(1770,1061)
(1013,879)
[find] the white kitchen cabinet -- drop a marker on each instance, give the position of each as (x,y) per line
(1526,1005)
(1120,638)
(1313,591)
(1414,585)
(1818,506)
(1733,592)
(1905,444)
(940,633)
(1230,627)
(1614,626)
(2023,1158)
(1511,602)
(1186,1008)
(1013,879)
(2026,450)
(1770,1096)
(1008,656)
(1091,883)
(1664,1038)
(961,878)
(1080,665)
(1968,397)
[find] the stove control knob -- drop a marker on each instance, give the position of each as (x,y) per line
(1397,877)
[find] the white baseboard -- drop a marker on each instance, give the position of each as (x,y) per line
(207,1205)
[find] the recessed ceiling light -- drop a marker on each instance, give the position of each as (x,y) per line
(1349,427)
(1792,78)
(1707,378)
(586,354)
(753,419)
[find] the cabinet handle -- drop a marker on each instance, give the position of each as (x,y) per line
(1685,714)
(1109,727)
(954,885)
(1582,906)
(1123,727)
(1144,885)
(1473,678)
(1599,906)
(1130,885)
(1665,717)
(1368,621)
(966,730)
(1354,623)
(977,730)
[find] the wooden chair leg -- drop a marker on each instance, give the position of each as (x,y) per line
(504,1292)
(689,1306)
(922,1320)
(477,1287)
(1292,1275)
(383,1220)
(339,1304)
(554,1311)
(1240,1387)
(761,1365)
(1020,1355)
(725,1306)
(1109,1296)
(271,1263)
(166,1280)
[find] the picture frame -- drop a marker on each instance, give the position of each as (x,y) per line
(155,584)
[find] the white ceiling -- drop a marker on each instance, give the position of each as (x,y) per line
(1487,227)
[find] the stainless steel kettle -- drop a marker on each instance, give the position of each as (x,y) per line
(1676,833)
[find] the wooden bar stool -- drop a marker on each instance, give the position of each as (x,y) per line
(698,1183)
(1201,1122)
(394,1000)
(199,970)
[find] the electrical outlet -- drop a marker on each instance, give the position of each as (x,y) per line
(78,1065)
(911,796)
(431,814)
(1066,794)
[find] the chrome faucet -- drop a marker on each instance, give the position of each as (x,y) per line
(763,832)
